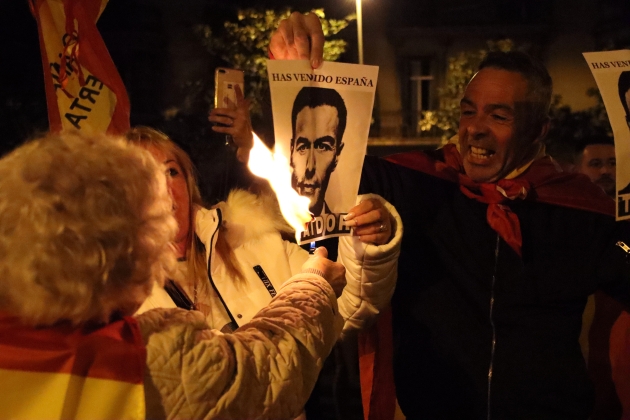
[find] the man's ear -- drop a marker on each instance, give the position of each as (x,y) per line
(340,148)
(544,129)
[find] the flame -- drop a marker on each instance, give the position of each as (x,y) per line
(275,168)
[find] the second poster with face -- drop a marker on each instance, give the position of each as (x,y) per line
(321,121)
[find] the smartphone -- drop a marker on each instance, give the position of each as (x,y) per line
(225,81)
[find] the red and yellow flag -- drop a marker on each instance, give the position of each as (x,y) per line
(62,372)
(83,88)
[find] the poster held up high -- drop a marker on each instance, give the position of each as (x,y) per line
(611,70)
(321,121)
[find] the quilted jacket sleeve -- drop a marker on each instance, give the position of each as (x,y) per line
(266,369)
(371,273)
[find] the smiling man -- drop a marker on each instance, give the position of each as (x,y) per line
(501,250)
(495,136)
(318,121)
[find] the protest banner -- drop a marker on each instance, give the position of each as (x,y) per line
(321,121)
(611,70)
(83,88)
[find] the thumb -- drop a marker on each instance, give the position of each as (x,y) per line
(321,252)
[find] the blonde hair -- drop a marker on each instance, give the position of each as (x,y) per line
(149,137)
(85,228)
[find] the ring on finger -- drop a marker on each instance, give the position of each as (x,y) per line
(382,227)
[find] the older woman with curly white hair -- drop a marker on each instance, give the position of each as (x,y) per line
(86,224)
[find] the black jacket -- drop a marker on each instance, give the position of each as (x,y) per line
(477,326)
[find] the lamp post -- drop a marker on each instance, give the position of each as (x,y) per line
(360,31)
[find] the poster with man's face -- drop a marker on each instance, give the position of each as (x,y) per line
(321,121)
(611,70)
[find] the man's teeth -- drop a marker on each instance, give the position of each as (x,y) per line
(480,152)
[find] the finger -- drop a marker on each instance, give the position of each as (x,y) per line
(224,112)
(321,252)
(363,207)
(301,39)
(218,119)
(378,239)
(367,218)
(229,103)
(372,229)
(243,105)
(239,94)
(225,130)
(316,35)
(285,28)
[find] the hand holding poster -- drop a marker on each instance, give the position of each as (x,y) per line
(321,120)
(611,70)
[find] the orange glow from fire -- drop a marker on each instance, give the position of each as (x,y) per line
(275,168)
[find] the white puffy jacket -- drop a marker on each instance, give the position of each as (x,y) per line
(252,230)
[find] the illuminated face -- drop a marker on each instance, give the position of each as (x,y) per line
(314,153)
(178,190)
(599,164)
(491,122)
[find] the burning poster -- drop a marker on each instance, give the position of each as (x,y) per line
(321,121)
(83,88)
(611,70)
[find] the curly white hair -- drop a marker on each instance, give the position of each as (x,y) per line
(85,228)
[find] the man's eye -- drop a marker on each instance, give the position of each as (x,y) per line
(499,117)
(324,146)
(595,164)
(466,112)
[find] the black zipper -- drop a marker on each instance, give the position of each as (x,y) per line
(494,332)
(220,217)
(179,296)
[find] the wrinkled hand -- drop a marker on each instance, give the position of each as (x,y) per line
(372,222)
(235,122)
(299,37)
(334,273)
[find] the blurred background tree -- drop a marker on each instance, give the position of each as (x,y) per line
(243,45)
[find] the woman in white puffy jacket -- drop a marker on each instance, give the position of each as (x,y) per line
(233,259)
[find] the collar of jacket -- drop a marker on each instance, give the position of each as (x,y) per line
(245,217)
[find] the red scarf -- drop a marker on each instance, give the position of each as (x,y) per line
(542,181)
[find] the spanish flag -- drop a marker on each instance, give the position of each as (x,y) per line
(83,88)
(64,372)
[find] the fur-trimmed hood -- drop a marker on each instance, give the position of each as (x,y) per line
(247,217)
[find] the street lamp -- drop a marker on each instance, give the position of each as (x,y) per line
(360,31)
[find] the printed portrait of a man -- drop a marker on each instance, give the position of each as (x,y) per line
(624,93)
(318,122)
(624,97)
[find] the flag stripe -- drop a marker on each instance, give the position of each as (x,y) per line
(38,395)
(115,351)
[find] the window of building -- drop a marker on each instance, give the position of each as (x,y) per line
(421,90)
